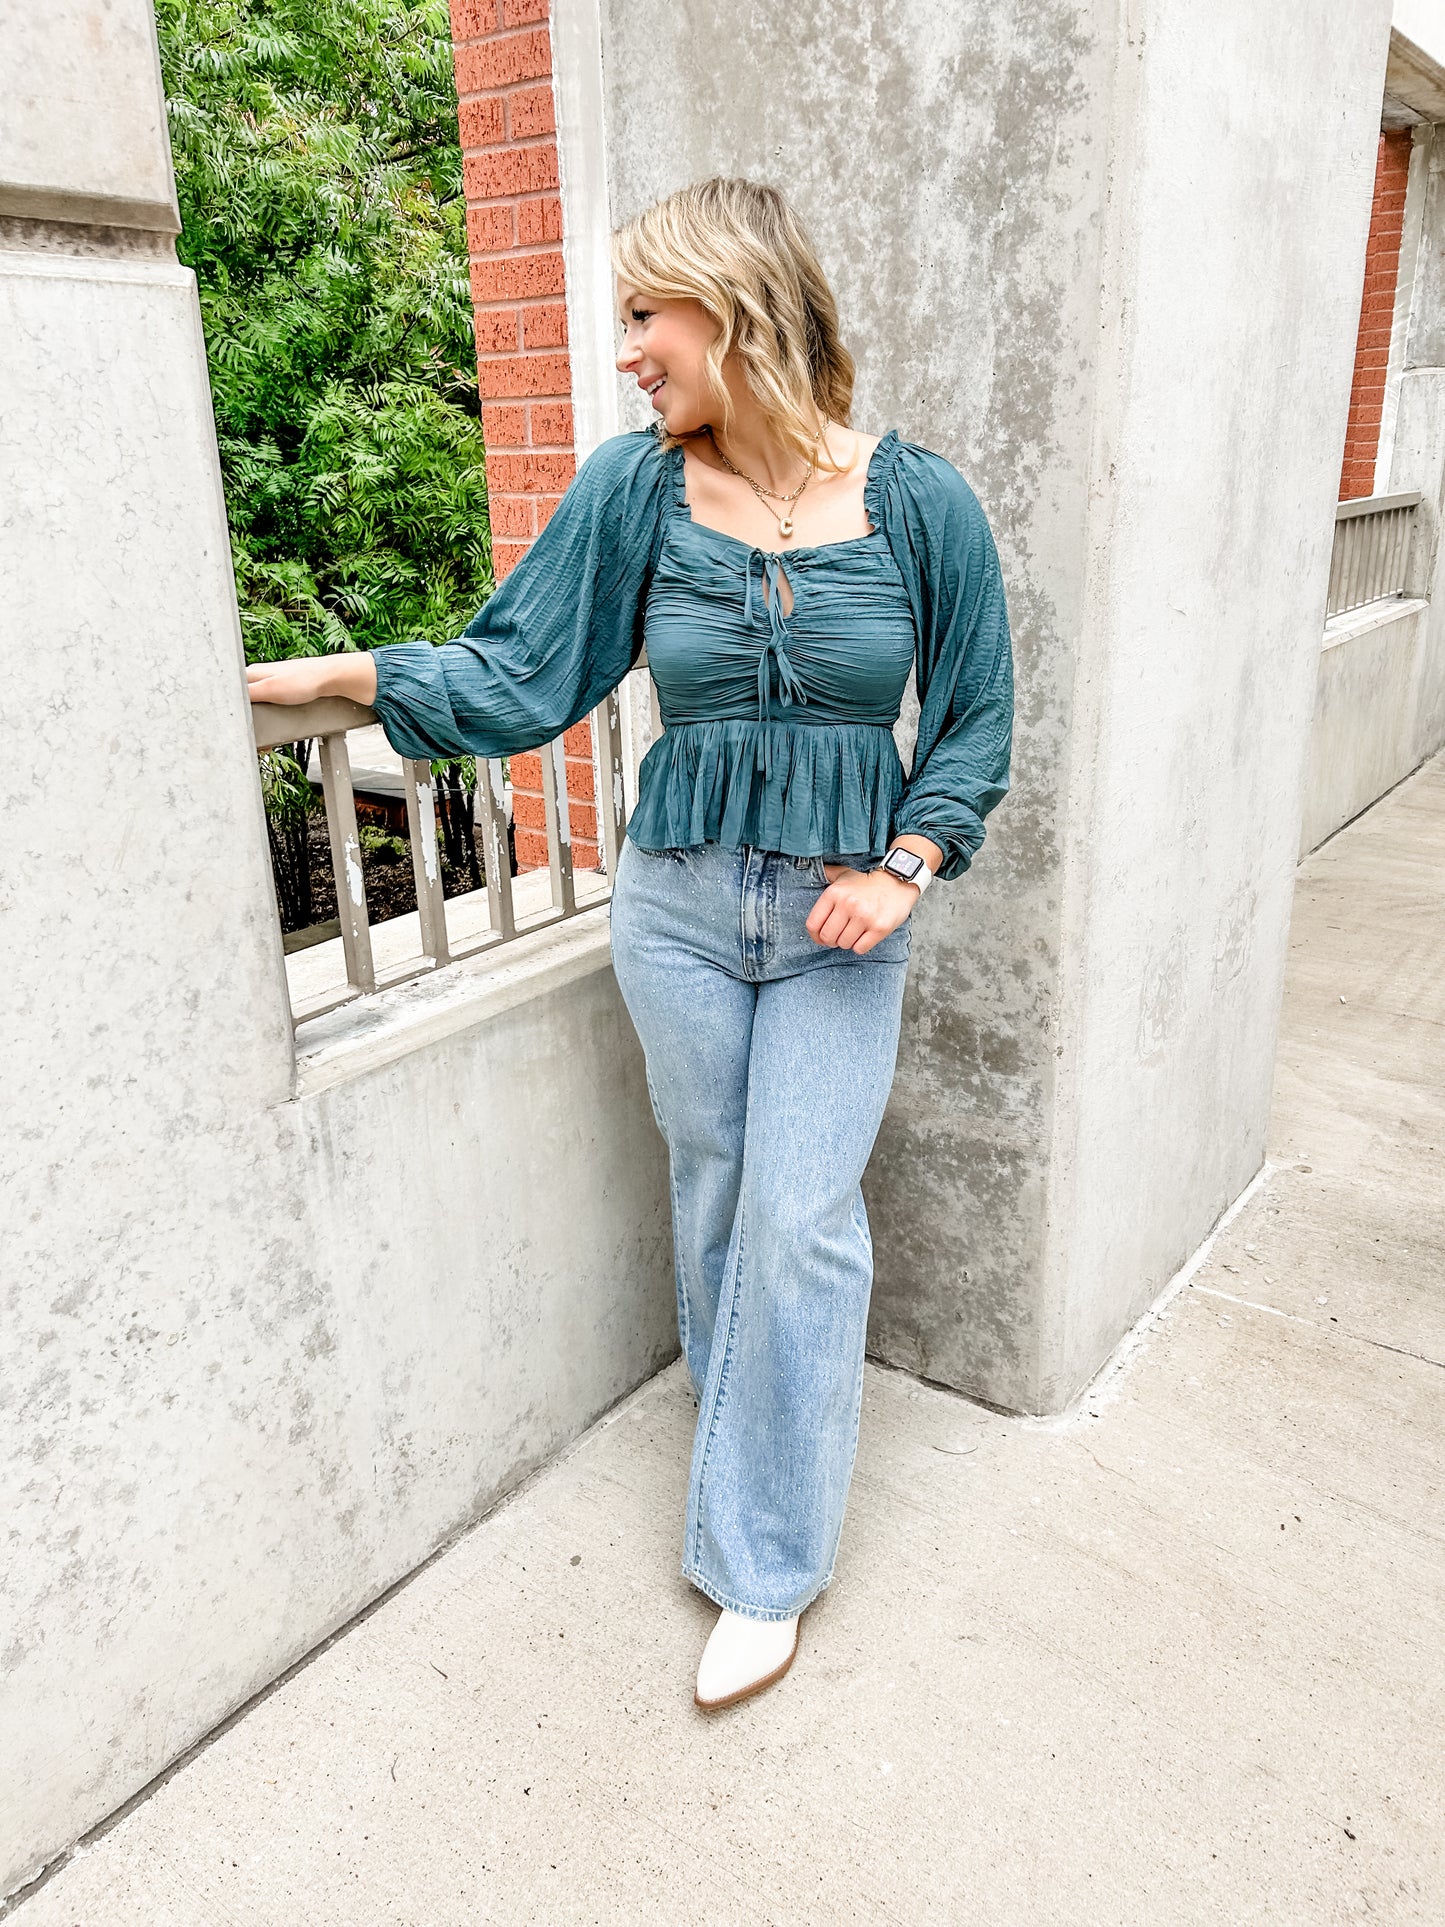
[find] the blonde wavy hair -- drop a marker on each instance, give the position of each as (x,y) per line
(739,248)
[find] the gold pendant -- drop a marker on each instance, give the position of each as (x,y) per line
(785,526)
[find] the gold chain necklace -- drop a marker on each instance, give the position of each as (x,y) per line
(785,520)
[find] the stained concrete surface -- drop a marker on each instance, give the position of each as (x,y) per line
(1039,231)
(1176,1656)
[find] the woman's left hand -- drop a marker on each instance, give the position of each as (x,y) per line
(859,908)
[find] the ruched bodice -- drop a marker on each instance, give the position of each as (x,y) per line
(777,720)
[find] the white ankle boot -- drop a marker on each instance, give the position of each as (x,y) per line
(743,1656)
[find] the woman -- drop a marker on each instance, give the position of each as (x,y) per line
(786,572)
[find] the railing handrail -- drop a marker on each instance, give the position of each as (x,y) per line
(277,723)
(1377,504)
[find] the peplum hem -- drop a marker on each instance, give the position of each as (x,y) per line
(832,788)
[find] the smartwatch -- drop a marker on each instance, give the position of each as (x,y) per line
(909,866)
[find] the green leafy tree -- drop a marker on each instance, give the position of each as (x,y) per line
(318,166)
(319,172)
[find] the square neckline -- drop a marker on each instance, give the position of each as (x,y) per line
(870,483)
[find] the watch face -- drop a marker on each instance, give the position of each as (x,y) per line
(905,863)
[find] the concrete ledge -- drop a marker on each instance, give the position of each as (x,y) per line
(99,210)
(1374,615)
(102,269)
(362,1036)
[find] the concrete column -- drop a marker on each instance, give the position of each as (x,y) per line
(269,1338)
(128,741)
(144,984)
(1106,258)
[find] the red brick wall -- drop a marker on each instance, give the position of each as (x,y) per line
(514,230)
(1377,310)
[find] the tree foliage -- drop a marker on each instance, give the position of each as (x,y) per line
(318,166)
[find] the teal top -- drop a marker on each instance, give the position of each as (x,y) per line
(777,726)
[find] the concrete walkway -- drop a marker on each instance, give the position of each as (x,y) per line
(1177,1657)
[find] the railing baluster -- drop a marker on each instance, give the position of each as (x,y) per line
(426,867)
(557,813)
(1404,528)
(1336,573)
(346,862)
(501,912)
(612,803)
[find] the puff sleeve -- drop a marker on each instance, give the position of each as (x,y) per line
(557,635)
(964,658)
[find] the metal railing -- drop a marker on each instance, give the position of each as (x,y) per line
(328,723)
(1374,540)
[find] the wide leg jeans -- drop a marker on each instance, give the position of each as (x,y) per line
(769,1060)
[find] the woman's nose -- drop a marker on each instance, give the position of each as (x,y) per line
(626,355)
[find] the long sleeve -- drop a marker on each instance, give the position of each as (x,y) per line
(964,661)
(556,636)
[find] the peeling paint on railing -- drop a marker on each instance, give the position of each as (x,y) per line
(422,792)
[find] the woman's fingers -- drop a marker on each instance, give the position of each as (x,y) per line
(850,918)
(297,681)
(842,930)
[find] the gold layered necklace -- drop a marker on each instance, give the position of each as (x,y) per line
(785,519)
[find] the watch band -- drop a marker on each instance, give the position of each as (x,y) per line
(909,866)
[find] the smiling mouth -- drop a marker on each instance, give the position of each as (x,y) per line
(652,389)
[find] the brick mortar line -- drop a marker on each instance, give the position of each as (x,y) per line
(511,143)
(487,361)
(491,35)
(541,84)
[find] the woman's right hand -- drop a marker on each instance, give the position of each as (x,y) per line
(306,679)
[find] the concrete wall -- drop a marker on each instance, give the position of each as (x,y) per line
(1418,461)
(1106,258)
(1380,692)
(1364,733)
(267,1341)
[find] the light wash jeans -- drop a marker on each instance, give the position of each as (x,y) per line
(769,1060)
